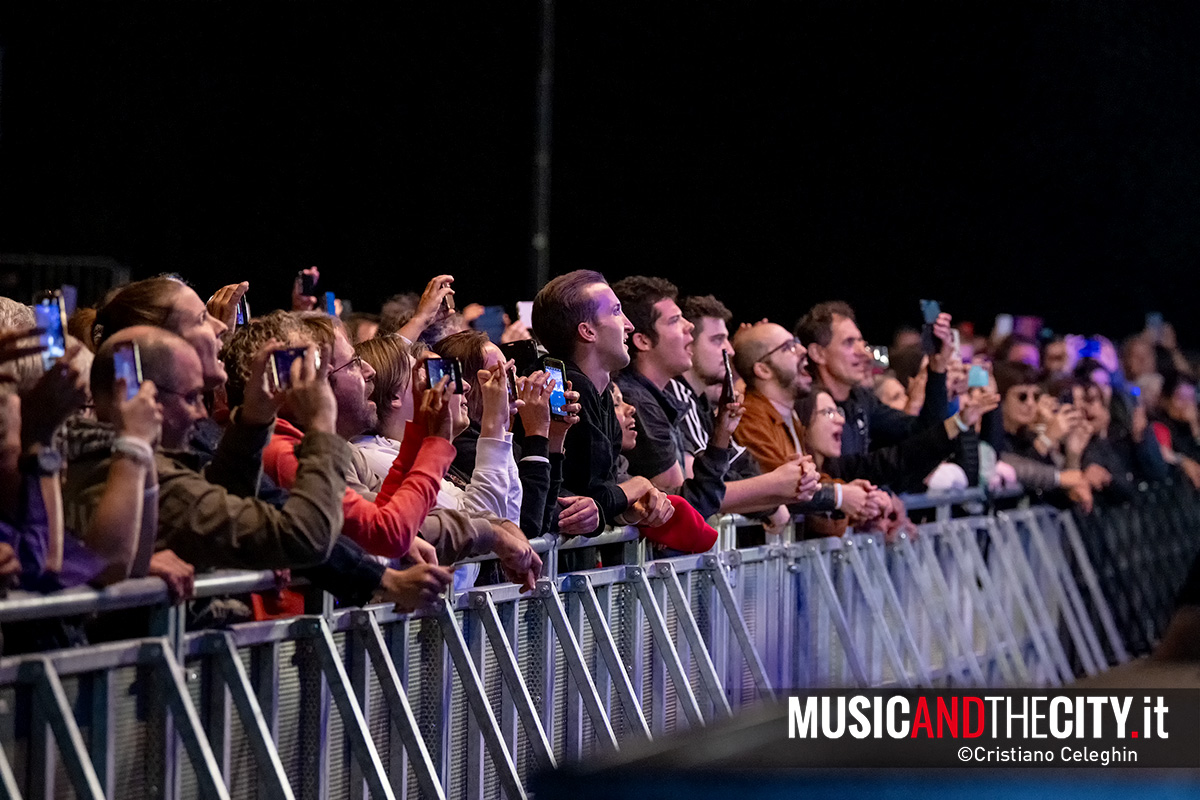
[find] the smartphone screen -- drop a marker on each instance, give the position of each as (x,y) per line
(127,366)
(435,368)
(49,315)
(243,311)
(930,309)
(281,365)
(558,396)
(330,304)
(977,378)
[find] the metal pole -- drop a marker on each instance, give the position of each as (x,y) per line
(540,242)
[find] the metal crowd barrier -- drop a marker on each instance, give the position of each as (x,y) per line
(468,700)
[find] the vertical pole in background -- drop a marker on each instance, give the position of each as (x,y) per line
(540,241)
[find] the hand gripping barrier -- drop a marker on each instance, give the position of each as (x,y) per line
(469,699)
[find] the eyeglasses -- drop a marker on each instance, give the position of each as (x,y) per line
(194,398)
(1025,397)
(831,413)
(788,347)
(356,361)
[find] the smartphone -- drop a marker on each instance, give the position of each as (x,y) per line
(491,322)
(930,309)
(882,358)
(524,354)
(307,283)
(243,311)
(1090,349)
(558,396)
(956,343)
(281,365)
(728,394)
(448,301)
(512,384)
(1154,324)
(977,377)
(330,304)
(127,365)
(1003,326)
(51,316)
(437,368)
(525,312)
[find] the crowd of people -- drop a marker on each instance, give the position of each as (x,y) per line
(370,454)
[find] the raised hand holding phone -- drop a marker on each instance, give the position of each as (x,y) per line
(558,397)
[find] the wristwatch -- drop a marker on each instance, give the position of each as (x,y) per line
(42,461)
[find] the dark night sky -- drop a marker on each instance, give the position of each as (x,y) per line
(1023,157)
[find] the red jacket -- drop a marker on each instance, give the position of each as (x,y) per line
(387,526)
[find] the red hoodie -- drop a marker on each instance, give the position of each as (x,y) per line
(387,526)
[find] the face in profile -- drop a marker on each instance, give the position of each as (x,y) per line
(711,340)
(190,319)
(627,416)
(353,381)
(611,327)
(891,393)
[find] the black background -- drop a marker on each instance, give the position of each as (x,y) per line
(1023,157)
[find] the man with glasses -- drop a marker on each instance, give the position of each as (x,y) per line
(769,359)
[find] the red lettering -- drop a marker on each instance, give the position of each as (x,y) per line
(921,719)
(966,727)
(949,715)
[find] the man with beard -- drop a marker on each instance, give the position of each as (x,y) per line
(770,360)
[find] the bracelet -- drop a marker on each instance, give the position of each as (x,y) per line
(962,426)
(135,450)
(837,493)
(1046,441)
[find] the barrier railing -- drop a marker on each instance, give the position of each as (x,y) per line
(468,700)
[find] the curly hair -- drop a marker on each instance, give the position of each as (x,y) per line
(248,339)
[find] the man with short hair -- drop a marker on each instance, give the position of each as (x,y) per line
(200,519)
(838,360)
(579,320)
(662,350)
(770,361)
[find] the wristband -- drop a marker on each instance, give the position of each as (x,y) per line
(1046,441)
(962,426)
(837,493)
(135,450)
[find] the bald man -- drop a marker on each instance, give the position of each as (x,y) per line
(201,521)
(772,363)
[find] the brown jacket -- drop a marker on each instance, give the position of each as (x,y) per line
(763,432)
